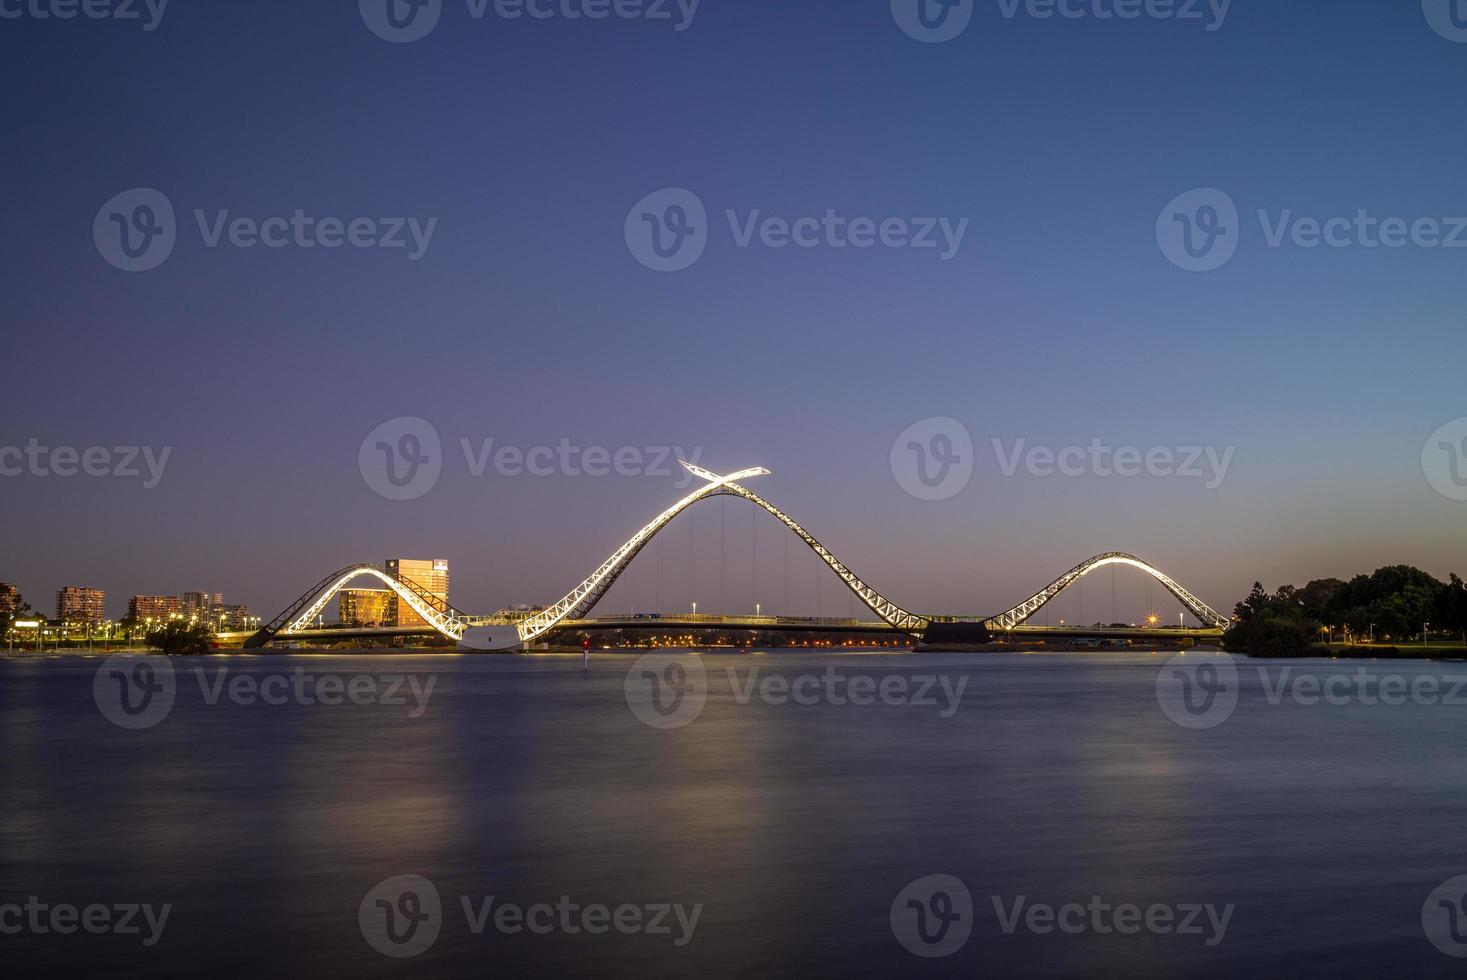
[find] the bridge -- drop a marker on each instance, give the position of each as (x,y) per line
(489,633)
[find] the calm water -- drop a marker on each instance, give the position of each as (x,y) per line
(793,826)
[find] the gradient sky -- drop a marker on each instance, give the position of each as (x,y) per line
(529,320)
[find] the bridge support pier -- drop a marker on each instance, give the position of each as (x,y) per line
(956,634)
(490,639)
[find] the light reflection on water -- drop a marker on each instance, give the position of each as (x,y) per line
(795,826)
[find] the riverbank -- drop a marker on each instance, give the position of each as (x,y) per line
(1376,651)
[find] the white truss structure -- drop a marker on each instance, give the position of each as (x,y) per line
(580,599)
(1204,613)
(447,622)
(889,612)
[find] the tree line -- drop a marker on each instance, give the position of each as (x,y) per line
(1393,603)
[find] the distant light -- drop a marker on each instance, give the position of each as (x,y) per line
(28,624)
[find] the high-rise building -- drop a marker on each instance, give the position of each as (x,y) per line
(199,605)
(80,605)
(154,608)
(9,599)
(429,575)
(231,617)
(368,607)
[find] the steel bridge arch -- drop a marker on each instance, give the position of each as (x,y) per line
(579,601)
(454,624)
(1204,613)
(294,621)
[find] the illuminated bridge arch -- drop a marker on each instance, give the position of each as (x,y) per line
(1204,613)
(489,633)
(583,597)
(296,620)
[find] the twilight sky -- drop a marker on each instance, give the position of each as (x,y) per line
(526,146)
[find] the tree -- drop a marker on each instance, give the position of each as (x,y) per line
(1315,598)
(21,610)
(1451,608)
(178,639)
(1276,625)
